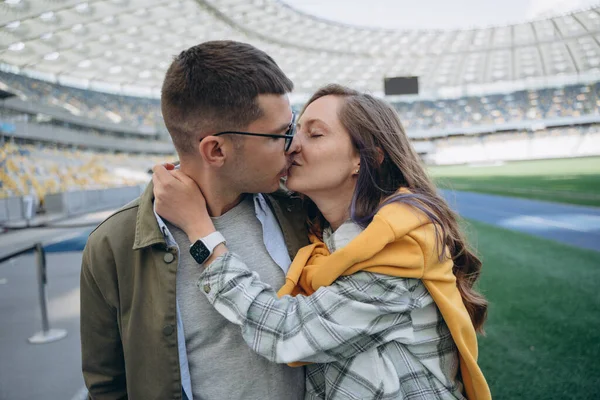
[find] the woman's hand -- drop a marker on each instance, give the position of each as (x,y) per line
(178,199)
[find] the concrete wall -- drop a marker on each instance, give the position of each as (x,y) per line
(67,204)
(84,201)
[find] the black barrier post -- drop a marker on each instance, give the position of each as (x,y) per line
(47,334)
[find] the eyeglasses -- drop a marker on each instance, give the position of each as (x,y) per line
(288,135)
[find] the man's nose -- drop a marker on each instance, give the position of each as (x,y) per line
(296,145)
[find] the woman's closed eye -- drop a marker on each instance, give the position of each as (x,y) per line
(315,133)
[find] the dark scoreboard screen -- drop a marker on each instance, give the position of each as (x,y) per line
(401,85)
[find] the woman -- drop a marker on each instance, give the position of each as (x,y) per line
(381,304)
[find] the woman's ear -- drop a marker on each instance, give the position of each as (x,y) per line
(380,156)
(213,151)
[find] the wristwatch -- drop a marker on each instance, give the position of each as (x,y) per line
(203,248)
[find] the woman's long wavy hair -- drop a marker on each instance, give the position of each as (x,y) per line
(375,130)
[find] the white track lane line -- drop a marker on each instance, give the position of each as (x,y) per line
(532,218)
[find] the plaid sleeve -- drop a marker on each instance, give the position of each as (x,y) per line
(337,322)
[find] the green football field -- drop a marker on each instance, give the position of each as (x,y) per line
(543,332)
(575,181)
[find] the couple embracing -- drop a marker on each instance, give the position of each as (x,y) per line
(287,256)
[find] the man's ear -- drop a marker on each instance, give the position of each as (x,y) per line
(213,150)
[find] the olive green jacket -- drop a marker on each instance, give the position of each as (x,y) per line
(128,304)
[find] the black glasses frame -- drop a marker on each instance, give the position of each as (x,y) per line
(288,135)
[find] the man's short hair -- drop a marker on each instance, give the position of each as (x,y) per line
(214,86)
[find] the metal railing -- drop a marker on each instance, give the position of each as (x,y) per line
(47,334)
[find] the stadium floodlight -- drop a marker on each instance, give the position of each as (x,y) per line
(11,26)
(78,28)
(19,5)
(83,8)
(48,16)
(16,46)
(52,56)
(110,20)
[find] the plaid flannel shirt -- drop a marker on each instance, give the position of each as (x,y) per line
(367,336)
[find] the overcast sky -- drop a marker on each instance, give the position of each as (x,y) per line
(435,14)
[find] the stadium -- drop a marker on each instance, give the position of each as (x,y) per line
(506,118)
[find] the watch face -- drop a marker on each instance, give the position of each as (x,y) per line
(199,251)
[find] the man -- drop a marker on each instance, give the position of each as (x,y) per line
(146,330)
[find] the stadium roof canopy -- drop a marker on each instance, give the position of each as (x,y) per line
(126,45)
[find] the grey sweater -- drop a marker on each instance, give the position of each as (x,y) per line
(222,366)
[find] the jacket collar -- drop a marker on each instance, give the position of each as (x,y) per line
(147,230)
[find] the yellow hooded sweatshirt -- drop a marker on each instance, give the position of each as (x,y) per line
(400,242)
